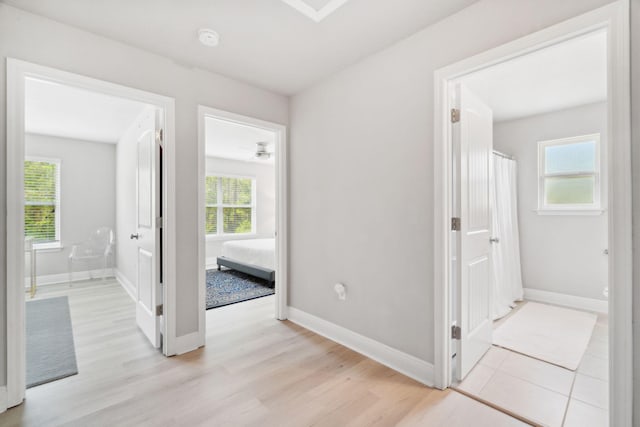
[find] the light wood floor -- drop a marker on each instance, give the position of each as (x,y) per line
(255,371)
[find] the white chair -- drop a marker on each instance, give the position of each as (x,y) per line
(95,251)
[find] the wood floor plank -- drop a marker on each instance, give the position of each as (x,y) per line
(255,371)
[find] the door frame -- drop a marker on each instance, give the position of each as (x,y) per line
(281,170)
(17,72)
(615,19)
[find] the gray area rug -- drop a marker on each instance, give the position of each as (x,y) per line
(51,354)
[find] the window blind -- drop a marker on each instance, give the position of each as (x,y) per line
(41,197)
(229,204)
(211,224)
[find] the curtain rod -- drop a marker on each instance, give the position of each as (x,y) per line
(506,156)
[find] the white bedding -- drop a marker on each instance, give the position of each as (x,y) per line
(260,252)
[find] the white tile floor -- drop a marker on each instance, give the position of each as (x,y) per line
(545,393)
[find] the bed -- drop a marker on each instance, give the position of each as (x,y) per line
(256,257)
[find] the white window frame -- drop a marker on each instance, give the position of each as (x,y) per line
(57,243)
(594,208)
(221,235)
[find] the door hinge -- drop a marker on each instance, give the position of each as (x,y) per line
(160,134)
(455,224)
(456,332)
(159,309)
(455,115)
(159,223)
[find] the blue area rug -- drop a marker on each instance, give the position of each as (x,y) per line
(229,287)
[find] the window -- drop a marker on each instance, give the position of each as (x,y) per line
(230,204)
(42,201)
(569,174)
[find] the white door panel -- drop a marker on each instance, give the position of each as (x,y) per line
(145,160)
(149,294)
(145,278)
(474,135)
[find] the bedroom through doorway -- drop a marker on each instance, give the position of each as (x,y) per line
(240,178)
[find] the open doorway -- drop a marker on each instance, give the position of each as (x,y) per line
(79,192)
(243,216)
(542,118)
(88,211)
(571,164)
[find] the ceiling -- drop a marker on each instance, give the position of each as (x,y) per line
(562,76)
(267,43)
(68,112)
(229,140)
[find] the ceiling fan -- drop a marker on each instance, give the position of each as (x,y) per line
(261,151)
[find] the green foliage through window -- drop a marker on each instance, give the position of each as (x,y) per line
(41,200)
(229,205)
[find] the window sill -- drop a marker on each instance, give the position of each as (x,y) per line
(214,237)
(570,212)
(48,247)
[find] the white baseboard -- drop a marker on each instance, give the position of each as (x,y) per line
(211,263)
(581,303)
(52,279)
(126,284)
(4,403)
(397,360)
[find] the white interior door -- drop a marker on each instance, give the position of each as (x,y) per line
(473,134)
(147,234)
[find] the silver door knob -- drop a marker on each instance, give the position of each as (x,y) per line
(134,236)
(494,240)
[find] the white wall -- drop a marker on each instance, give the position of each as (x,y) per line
(361,181)
(265,177)
(87,194)
(67,48)
(559,253)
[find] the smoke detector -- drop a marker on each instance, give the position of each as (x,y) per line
(261,151)
(208,37)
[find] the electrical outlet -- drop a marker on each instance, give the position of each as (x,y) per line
(341,290)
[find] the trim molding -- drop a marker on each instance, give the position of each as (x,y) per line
(3,399)
(281,170)
(78,276)
(211,262)
(126,284)
(613,17)
(17,72)
(582,303)
(397,360)
(186,343)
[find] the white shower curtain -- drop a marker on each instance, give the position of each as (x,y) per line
(507,283)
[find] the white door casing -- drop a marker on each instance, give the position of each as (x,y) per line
(473,132)
(614,18)
(148,185)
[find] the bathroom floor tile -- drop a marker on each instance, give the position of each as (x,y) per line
(477,379)
(600,333)
(594,367)
(524,398)
(539,373)
(580,414)
(591,390)
(494,357)
(598,348)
